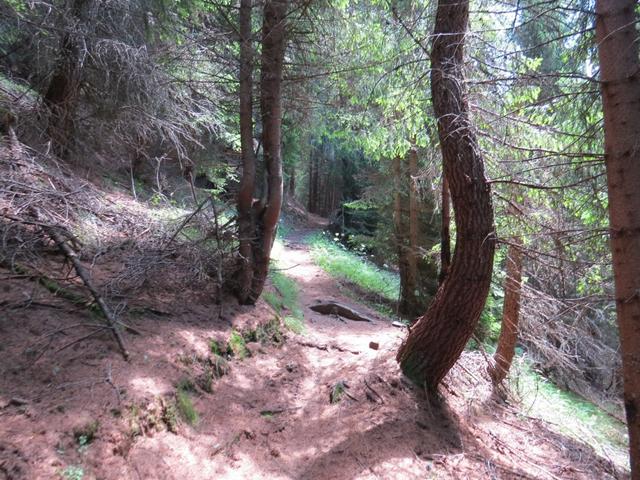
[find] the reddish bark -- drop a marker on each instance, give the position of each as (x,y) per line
(618,39)
(445,234)
(246,223)
(413,233)
(438,338)
(414,225)
(510,315)
(273,47)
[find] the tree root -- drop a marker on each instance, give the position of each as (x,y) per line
(335,308)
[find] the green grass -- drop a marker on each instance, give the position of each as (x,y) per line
(237,345)
(340,263)
(569,414)
(217,348)
(184,404)
(284,301)
(73,472)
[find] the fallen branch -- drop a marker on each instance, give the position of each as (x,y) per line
(373,390)
(84,275)
(184,223)
(326,348)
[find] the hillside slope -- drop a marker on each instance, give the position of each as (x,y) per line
(213,389)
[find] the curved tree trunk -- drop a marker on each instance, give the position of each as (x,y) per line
(273,46)
(445,233)
(246,223)
(618,39)
(438,338)
(510,315)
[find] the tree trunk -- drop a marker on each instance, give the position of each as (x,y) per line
(414,228)
(399,228)
(313,181)
(510,315)
(273,47)
(407,234)
(438,338)
(246,223)
(292,182)
(445,235)
(617,38)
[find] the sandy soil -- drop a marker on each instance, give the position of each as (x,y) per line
(270,417)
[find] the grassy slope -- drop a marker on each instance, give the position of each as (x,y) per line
(336,260)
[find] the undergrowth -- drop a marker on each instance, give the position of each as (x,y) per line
(237,345)
(186,408)
(568,413)
(284,300)
(337,261)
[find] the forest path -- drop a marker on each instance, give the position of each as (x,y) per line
(315,286)
(271,416)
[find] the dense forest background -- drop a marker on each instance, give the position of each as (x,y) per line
(217,113)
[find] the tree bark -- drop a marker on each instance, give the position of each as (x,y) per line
(246,223)
(414,227)
(399,227)
(438,338)
(445,235)
(292,182)
(510,315)
(407,235)
(617,38)
(273,47)
(313,178)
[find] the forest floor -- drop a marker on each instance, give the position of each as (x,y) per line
(83,412)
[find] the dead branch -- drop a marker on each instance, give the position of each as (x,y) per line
(84,275)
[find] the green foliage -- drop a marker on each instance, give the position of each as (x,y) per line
(237,345)
(339,262)
(219,366)
(216,347)
(359,204)
(170,416)
(488,329)
(186,385)
(86,434)
(568,413)
(337,392)
(265,333)
(284,301)
(295,324)
(185,407)
(73,472)
(287,289)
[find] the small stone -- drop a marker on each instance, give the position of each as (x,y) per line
(374,345)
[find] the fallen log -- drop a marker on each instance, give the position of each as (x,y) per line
(335,308)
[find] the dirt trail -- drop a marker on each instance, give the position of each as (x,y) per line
(271,416)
